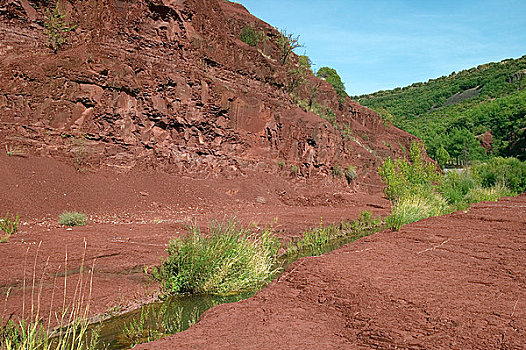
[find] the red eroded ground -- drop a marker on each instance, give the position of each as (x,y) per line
(132,216)
(452,282)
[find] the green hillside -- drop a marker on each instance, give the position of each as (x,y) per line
(454,112)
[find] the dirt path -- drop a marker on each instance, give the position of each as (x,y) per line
(452,282)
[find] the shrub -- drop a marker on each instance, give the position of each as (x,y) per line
(72,218)
(350,173)
(229,260)
(249,35)
(404,177)
(510,172)
(55,27)
(415,207)
(337,171)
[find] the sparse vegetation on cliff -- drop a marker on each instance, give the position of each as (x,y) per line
(251,36)
(56,27)
(287,43)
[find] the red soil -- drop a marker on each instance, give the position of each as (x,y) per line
(132,216)
(452,282)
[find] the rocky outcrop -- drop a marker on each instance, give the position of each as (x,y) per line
(169,85)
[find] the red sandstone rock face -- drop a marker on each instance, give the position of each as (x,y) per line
(169,85)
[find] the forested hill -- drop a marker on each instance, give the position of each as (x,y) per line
(470,114)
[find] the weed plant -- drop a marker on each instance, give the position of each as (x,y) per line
(8,225)
(72,330)
(229,260)
(72,218)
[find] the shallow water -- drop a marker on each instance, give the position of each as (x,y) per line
(177,313)
(173,315)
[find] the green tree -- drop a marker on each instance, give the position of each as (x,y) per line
(287,43)
(442,156)
(332,77)
(463,146)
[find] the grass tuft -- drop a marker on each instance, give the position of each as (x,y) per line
(416,207)
(72,218)
(479,193)
(229,260)
(8,225)
(322,239)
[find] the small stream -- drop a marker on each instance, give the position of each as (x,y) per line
(173,315)
(177,313)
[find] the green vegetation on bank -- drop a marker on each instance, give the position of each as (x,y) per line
(322,239)
(418,189)
(452,113)
(229,259)
(71,331)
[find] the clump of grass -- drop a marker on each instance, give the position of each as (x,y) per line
(8,225)
(416,207)
(294,169)
(319,240)
(72,218)
(494,193)
(72,330)
(229,260)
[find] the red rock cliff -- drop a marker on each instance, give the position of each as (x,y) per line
(169,84)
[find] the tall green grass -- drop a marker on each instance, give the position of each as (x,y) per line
(71,333)
(415,207)
(319,240)
(228,260)
(417,189)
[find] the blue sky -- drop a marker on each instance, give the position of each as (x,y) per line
(382,44)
